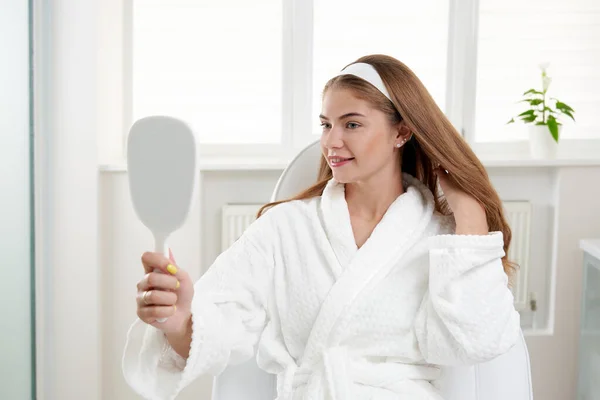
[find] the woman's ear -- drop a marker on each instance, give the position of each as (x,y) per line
(403,132)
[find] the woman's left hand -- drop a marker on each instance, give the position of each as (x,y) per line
(468,212)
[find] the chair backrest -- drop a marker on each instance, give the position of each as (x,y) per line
(300,173)
(506,377)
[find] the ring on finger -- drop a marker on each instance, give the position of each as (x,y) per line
(144,297)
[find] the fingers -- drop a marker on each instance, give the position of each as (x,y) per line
(158,280)
(151,314)
(156,298)
(153,260)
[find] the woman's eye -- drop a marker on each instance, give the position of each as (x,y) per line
(352,125)
(325,125)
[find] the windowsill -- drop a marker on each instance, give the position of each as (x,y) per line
(531,162)
(571,153)
(220,164)
(274,164)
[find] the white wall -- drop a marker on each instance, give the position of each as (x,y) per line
(89,258)
(16,370)
(123,239)
(68,299)
(554,358)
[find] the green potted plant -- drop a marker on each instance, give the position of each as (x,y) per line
(544,116)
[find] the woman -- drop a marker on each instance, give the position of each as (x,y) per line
(364,285)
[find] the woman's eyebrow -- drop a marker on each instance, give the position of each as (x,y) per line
(351,114)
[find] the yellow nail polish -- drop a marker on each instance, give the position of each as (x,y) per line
(177,286)
(174,307)
(172,269)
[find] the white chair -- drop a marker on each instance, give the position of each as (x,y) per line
(506,377)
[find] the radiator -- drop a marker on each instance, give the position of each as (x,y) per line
(237,217)
(518,214)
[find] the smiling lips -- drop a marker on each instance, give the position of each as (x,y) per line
(339,161)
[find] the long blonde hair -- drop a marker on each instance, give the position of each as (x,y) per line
(434,142)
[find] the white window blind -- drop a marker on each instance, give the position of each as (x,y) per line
(215,64)
(415,33)
(516,36)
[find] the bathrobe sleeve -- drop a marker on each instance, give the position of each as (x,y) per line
(467,315)
(228,316)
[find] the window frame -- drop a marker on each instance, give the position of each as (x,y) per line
(462,55)
(296,132)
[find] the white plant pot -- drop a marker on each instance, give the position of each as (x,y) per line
(541,142)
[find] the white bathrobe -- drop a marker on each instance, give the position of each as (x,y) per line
(337,322)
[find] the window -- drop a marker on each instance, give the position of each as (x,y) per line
(215,64)
(514,38)
(415,33)
(222,66)
(248,75)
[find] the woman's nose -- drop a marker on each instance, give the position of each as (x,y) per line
(334,139)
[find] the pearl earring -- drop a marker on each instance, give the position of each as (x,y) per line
(398,145)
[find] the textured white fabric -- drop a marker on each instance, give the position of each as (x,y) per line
(368,73)
(337,322)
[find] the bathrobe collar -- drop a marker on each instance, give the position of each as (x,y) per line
(403,216)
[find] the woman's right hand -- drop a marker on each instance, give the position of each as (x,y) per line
(166,291)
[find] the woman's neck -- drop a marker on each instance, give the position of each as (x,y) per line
(370,199)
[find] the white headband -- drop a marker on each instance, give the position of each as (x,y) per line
(368,73)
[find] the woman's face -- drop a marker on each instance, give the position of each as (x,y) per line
(358,141)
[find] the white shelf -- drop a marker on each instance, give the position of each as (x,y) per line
(591,246)
(530,332)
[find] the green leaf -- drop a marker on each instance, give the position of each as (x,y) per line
(532,91)
(533,102)
(553,127)
(511,121)
(562,106)
(529,118)
(528,112)
(549,110)
(567,112)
